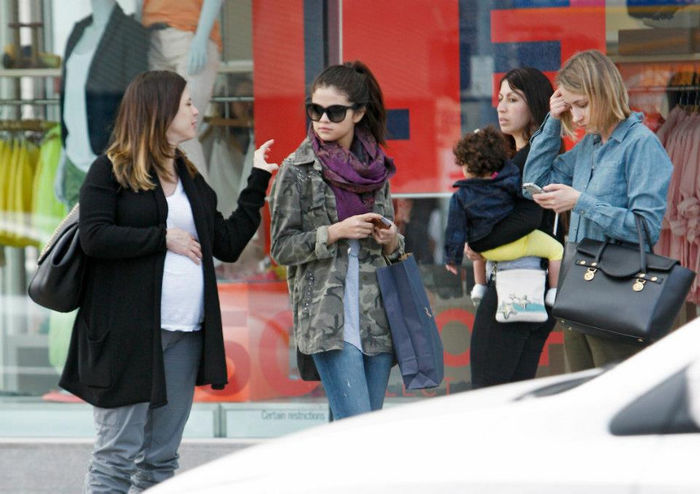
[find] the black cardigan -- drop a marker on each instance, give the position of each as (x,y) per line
(121,54)
(115,355)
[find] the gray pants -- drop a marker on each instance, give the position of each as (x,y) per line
(136,447)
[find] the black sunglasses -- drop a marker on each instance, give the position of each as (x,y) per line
(335,113)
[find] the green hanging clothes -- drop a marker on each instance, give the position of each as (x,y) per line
(47,210)
(5,154)
(16,225)
(7,160)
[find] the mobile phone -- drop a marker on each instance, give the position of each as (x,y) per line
(381,222)
(532,188)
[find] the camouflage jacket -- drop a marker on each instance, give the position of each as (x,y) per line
(303,206)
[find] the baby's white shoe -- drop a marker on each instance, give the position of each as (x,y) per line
(550,297)
(477,294)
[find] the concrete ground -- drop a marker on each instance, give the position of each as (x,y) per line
(48,466)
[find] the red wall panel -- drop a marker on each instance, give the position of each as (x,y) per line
(413,49)
(580,26)
(278,74)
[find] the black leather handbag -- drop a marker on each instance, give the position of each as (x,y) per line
(620,290)
(57,283)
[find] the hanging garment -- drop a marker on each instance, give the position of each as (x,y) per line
(680,235)
(5,154)
(228,169)
(21,207)
(7,233)
(19,158)
(47,209)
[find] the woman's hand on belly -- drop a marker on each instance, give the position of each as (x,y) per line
(181,242)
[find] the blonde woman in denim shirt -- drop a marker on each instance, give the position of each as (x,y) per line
(618,167)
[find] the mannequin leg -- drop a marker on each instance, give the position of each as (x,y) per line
(170,51)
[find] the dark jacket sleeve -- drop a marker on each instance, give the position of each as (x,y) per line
(100,235)
(233,234)
(526,217)
(455,234)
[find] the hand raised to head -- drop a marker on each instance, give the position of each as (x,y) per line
(557,105)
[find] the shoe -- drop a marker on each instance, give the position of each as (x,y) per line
(550,297)
(477,294)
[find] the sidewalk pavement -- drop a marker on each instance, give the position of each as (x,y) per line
(57,466)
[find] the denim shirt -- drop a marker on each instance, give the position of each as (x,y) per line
(630,172)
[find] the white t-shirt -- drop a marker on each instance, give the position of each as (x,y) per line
(182,298)
(78,147)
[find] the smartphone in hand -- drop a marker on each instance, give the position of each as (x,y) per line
(532,188)
(381,223)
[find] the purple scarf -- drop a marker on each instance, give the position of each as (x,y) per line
(353,174)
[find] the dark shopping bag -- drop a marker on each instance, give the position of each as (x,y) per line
(620,290)
(417,342)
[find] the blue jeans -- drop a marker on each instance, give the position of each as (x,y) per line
(355,383)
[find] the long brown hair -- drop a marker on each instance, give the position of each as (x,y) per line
(139,145)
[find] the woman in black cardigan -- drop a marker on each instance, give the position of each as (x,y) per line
(149,325)
(507,352)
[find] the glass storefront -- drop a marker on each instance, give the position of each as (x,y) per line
(438,63)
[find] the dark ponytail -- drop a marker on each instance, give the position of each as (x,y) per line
(361,87)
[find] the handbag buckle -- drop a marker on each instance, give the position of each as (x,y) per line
(589,274)
(639,285)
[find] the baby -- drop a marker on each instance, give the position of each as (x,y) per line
(484,197)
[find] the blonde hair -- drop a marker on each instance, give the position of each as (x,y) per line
(595,76)
(139,144)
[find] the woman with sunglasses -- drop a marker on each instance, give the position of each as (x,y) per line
(332,226)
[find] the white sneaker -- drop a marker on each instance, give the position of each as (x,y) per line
(550,297)
(477,294)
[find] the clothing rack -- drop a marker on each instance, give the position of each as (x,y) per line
(35,101)
(226,99)
(662,89)
(229,122)
(244,123)
(27,125)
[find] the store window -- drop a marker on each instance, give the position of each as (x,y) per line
(439,64)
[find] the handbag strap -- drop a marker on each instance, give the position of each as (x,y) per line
(642,226)
(642,235)
(642,251)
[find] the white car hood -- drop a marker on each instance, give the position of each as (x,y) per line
(479,441)
(287,457)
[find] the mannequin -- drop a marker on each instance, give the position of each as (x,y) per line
(185,38)
(103,53)
(101,10)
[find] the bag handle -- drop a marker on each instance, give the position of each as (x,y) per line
(401,258)
(642,234)
(642,225)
